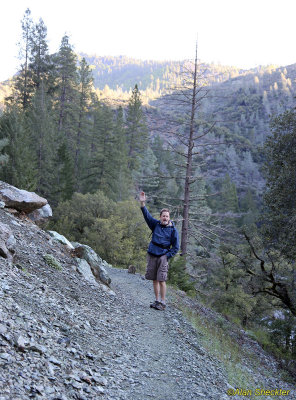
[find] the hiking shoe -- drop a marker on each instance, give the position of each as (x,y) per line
(154,304)
(160,306)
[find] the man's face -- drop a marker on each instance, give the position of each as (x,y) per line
(165,218)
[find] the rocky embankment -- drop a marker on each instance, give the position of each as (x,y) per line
(64,336)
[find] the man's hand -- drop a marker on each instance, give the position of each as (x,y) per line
(142,198)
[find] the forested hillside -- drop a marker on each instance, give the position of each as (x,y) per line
(153,77)
(88,133)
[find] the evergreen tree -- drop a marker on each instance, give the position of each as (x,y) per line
(136,130)
(20,170)
(63,175)
(124,177)
(229,196)
(42,128)
(101,172)
(3,156)
(249,207)
(66,94)
(146,177)
(22,88)
(83,123)
(39,66)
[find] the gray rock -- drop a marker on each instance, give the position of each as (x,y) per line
(55,361)
(10,243)
(20,342)
(21,200)
(96,263)
(61,239)
(84,269)
(3,329)
(41,214)
(37,348)
(7,242)
(6,357)
(102,381)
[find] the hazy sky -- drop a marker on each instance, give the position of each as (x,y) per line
(244,33)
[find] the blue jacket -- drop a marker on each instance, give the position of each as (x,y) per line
(166,236)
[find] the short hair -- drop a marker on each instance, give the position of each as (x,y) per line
(164,210)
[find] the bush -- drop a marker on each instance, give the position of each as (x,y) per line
(178,275)
(116,231)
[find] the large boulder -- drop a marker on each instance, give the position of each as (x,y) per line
(41,214)
(21,200)
(7,242)
(61,239)
(96,263)
(84,269)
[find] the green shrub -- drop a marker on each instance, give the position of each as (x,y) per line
(178,275)
(116,231)
(52,262)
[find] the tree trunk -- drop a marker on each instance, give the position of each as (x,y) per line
(186,201)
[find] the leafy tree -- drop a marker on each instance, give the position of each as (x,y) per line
(116,231)
(123,236)
(179,276)
(265,272)
(280,171)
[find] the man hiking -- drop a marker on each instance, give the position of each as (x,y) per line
(164,245)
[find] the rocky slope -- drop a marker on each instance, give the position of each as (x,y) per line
(63,337)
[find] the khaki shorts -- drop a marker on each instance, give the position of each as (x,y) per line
(157,268)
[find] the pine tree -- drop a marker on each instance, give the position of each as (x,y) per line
(3,156)
(42,127)
(124,176)
(22,88)
(67,93)
(63,175)
(20,170)
(101,171)
(83,123)
(146,177)
(39,66)
(136,130)
(229,196)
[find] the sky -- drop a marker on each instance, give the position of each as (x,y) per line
(241,33)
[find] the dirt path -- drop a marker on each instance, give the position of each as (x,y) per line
(168,362)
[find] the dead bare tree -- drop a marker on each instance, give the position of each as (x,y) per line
(187,96)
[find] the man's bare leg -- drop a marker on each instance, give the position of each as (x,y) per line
(156,290)
(162,286)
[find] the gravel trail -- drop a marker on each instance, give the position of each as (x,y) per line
(168,361)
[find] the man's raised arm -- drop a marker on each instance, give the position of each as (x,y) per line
(142,199)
